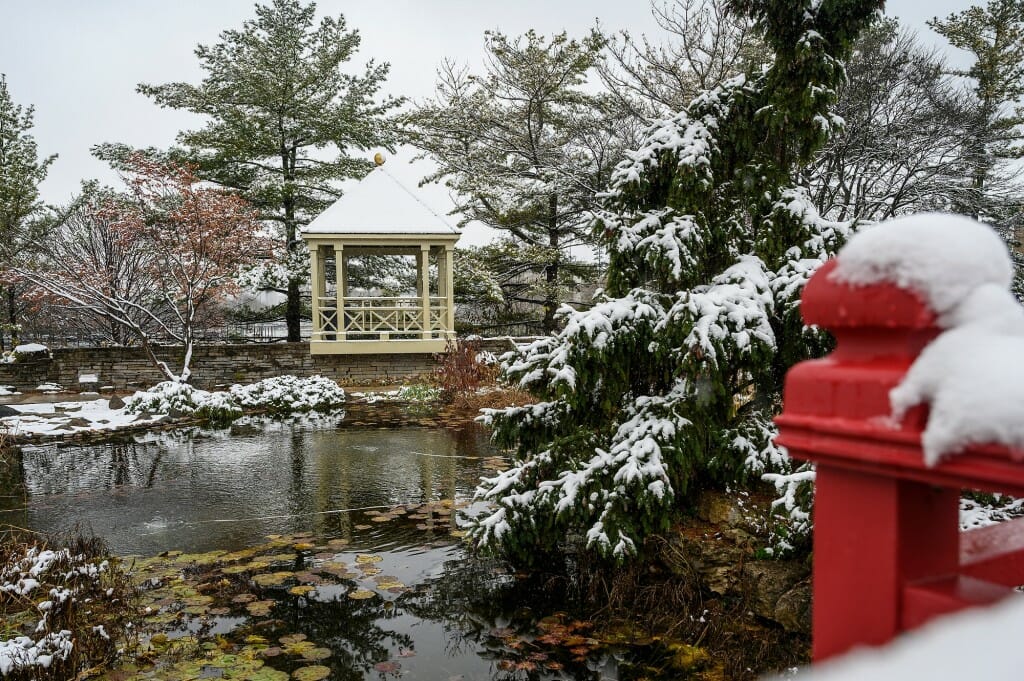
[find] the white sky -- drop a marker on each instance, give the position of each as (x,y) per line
(78,62)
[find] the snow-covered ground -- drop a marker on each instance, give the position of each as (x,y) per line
(168,400)
(61,418)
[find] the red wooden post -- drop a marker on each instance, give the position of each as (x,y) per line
(888,553)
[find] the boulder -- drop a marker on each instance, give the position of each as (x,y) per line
(115,402)
(793,611)
(768,581)
(8,411)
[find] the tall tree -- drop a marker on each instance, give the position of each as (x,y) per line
(525,148)
(283,119)
(21,172)
(669,383)
(994,36)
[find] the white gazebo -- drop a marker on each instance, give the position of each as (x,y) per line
(380,216)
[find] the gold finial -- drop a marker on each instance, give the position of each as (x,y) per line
(378,158)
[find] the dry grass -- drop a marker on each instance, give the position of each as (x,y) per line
(96,610)
(640,597)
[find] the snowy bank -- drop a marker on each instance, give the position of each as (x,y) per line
(170,400)
(971,376)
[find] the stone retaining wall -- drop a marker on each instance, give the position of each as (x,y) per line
(217,365)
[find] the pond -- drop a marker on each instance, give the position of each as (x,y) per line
(317,546)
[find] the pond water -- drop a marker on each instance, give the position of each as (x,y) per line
(313,542)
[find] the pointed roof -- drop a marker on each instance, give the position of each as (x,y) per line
(379,204)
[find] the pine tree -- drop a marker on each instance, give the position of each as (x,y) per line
(21,172)
(525,148)
(283,118)
(669,382)
(994,36)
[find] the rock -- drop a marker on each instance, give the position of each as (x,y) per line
(115,402)
(79,422)
(8,411)
(176,413)
(793,611)
(143,416)
(768,580)
(711,560)
(718,509)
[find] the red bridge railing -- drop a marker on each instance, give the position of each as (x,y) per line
(888,551)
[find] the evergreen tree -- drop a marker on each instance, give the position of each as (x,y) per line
(526,149)
(669,382)
(994,36)
(283,118)
(21,172)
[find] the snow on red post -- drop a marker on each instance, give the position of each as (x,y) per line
(888,552)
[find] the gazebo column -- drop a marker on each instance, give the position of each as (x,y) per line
(317,281)
(423,271)
(340,288)
(449,290)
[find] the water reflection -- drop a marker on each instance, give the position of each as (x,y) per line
(198,490)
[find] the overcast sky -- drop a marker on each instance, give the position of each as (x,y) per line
(78,62)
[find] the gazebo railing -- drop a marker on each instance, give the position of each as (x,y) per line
(380,317)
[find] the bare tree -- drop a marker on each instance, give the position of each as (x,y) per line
(153,261)
(902,148)
(704,43)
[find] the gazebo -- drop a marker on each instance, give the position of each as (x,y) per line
(380,217)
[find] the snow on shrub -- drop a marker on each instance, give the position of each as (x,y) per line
(171,397)
(289,394)
(280,394)
(47,585)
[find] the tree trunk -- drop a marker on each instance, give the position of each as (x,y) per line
(12,316)
(293,312)
(551,270)
(293,306)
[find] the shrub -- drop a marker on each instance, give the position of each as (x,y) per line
(464,368)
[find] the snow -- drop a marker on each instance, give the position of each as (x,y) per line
(31,347)
(22,652)
(971,376)
(379,204)
(45,418)
(980,643)
(973,379)
(941,257)
(279,394)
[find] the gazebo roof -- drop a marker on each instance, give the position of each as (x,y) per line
(379,204)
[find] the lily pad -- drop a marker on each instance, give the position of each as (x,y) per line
(316,654)
(260,608)
(361,594)
(311,673)
(364,558)
(272,578)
